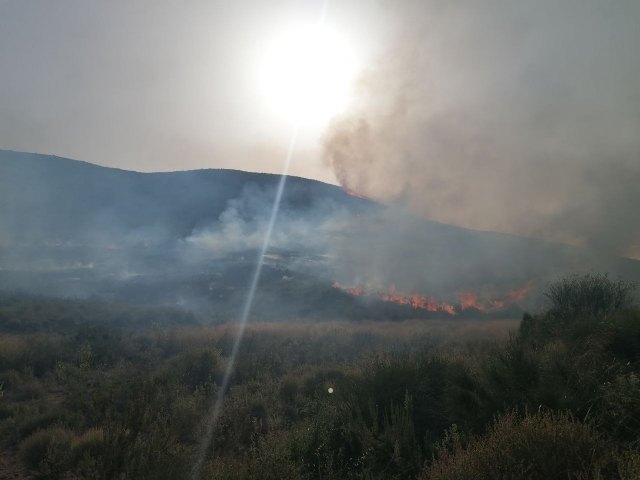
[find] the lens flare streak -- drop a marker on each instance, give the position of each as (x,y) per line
(212,418)
(214,414)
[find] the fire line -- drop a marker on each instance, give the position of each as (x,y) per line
(466,300)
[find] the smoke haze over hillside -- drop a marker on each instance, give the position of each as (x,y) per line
(70,228)
(519,117)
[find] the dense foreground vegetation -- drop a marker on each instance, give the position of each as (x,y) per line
(91,397)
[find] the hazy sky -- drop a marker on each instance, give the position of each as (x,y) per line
(518,116)
(514,116)
(159,85)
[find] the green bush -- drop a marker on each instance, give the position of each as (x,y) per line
(586,311)
(89,445)
(624,340)
(139,441)
(591,294)
(618,407)
(289,388)
(269,458)
(32,423)
(375,423)
(543,445)
(426,379)
(47,452)
(197,367)
(629,466)
(186,416)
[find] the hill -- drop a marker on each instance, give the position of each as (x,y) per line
(73,229)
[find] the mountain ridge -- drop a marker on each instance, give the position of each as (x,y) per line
(41,159)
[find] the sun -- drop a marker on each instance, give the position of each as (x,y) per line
(307,73)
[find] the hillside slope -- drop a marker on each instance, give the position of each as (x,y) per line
(70,228)
(47,198)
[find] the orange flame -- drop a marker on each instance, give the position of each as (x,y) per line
(417,301)
(511,297)
(466,299)
(351,193)
(356,291)
(470,300)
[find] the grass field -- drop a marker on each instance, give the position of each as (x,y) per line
(554,395)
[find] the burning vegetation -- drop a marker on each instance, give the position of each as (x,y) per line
(465,300)
(352,193)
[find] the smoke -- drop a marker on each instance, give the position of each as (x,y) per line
(518,117)
(190,238)
(243,224)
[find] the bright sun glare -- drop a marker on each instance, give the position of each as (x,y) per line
(307,72)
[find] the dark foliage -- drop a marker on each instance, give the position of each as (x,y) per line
(558,398)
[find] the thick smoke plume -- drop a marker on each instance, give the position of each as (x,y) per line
(519,117)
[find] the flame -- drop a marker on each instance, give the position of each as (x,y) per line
(417,301)
(470,300)
(351,193)
(466,299)
(511,297)
(355,291)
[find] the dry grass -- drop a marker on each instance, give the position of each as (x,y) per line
(11,344)
(387,333)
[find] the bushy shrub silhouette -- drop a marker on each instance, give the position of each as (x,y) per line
(47,452)
(590,294)
(547,445)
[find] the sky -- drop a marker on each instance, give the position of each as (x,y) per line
(160,85)
(520,117)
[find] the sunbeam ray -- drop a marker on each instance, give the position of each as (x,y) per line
(214,413)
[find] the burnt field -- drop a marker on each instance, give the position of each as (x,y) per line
(294,286)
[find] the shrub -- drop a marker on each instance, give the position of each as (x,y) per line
(289,388)
(198,367)
(543,445)
(629,466)
(47,452)
(88,445)
(375,424)
(186,415)
(619,407)
(321,445)
(138,440)
(625,336)
(387,381)
(268,459)
(30,424)
(511,373)
(6,411)
(591,294)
